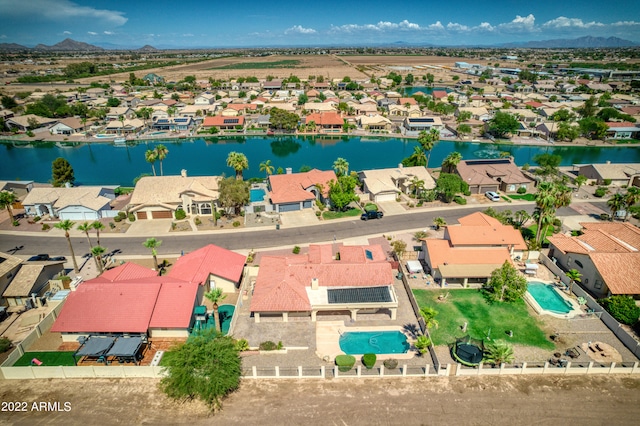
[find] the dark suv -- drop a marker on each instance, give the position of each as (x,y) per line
(371,215)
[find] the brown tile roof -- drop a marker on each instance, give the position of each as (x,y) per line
(619,271)
(289,188)
(625,232)
(325,119)
(480,172)
(8,262)
(478,229)
(567,244)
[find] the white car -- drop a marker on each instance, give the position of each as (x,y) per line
(493,196)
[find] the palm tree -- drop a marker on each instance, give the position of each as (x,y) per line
(574,276)
(418,158)
(631,198)
(427,141)
(97,253)
(616,203)
(121,119)
(498,352)
(417,185)
(98,226)
(449,164)
(429,316)
(153,244)
(267,167)
(439,222)
(7,198)
(422,344)
(545,199)
(86,227)
(161,154)
(66,226)
(341,166)
(238,162)
(580,180)
(151,156)
(215,296)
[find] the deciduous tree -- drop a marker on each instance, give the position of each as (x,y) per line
(507,284)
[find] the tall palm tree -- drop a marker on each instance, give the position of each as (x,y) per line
(574,276)
(267,167)
(580,180)
(66,226)
(545,198)
(121,119)
(439,222)
(86,227)
(97,253)
(631,198)
(98,226)
(417,185)
(341,166)
(161,154)
(153,244)
(151,156)
(427,141)
(418,158)
(7,198)
(238,162)
(215,296)
(616,203)
(449,164)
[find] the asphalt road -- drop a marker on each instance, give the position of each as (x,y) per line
(34,244)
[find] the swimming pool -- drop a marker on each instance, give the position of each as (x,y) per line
(376,342)
(104,136)
(257,195)
(548,298)
(157,133)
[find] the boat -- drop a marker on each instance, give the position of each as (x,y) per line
(120,142)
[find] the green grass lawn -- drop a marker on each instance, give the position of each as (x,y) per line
(534,229)
(287,63)
(49,359)
(470,306)
(337,215)
(527,197)
(371,207)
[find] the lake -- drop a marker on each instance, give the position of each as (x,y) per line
(409,91)
(102,163)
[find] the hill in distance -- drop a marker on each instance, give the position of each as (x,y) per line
(12,46)
(68,45)
(586,42)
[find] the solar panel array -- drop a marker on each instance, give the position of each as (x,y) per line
(231,121)
(359,295)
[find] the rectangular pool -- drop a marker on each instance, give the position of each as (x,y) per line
(374,342)
(256,195)
(548,298)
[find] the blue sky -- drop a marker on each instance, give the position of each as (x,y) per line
(215,23)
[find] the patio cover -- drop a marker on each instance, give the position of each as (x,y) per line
(125,347)
(467,271)
(95,346)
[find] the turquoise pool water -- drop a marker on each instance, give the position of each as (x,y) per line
(256,195)
(104,136)
(226,314)
(376,342)
(157,133)
(548,298)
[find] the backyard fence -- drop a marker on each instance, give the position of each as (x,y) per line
(82,372)
(333,372)
(547,368)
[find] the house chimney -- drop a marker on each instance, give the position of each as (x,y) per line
(608,161)
(314,283)
(289,170)
(183,173)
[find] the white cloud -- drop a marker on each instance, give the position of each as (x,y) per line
(564,22)
(520,24)
(58,10)
(457,27)
(486,26)
(299,29)
(67,32)
(187,35)
(625,23)
(381,26)
(109,32)
(3,36)
(437,26)
(91,33)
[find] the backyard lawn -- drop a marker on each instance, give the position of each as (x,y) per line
(482,318)
(48,359)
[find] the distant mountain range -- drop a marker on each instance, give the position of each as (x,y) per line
(69,45)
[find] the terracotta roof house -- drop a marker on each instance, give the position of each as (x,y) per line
(386,184)
(326,122)
(212,267)
(492,175)
(306,285)
(31,279)
(75,203)
(223,123)
(623,130)
(606,254)
(620,174)
(158,197)
(126,271)
(297,191)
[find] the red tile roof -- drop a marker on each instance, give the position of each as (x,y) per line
(289,188)
(219,120)
(326,119)
(439,94)
(441,253)
(478,229)
(196,266)
(126,271)
(620,124)
(174,306)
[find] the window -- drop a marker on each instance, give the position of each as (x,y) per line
(579,264)
(598,284)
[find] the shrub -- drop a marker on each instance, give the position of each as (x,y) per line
(318,214)
(296,250)
(280,345)
(320,205)
(460,200)
(345,362)
(600,192)
(522,190)
(268,346)
(369,360)
(117,219)
(467,193)
(112,225)
(180,214)
(122,215)
(242,345)
(390,363)
(607,182)
(36,219)
(236,224)
(46,226)
(197,221)
(5,344)
(622,308)
(420,203)
(132,217)
(16,223)
(422,344)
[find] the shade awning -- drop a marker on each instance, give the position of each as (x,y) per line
(125,347)
(95,346)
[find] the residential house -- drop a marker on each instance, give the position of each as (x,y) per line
(272,85)
(374,123)
(620,174)
(68,126)
(477,113)
(320,107)
(211,267)
(326,122)
(19,187)
(29,121)
(606,255)
(223,123)
(115,113)
(412,126)
(76,203)
(386,184)
(492,175)
(153,79)
(125,127)
(314,284)
(9,266)
(174,124)
(205,99)
(158,197)
(297,191)
(623,130)
(30,282)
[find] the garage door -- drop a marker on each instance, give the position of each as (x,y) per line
(486,188)
(307,204)
(141,215)
(385,197)
(289,207)
(78,216)
(162,214)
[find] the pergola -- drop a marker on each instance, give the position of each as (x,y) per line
(107,348)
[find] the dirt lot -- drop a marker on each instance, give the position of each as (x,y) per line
(558,400)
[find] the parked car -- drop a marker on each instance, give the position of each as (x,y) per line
(38,257)
(371,215)
(493,196)
(58,259)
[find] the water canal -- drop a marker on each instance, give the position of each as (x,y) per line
(103,163)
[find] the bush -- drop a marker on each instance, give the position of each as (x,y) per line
(122,215)
(197,221)
(467,193)
(522,190)
(180,214)
(607,182)
(236,224)
(46,226)
(320,205)
(16,223)
(5,344)
(132,217)
(318,214)
(117,219)
(37,218)
(112,225)
(390,363)
(622,308)
(345,362)
(460,200)
(242,345)
(296,250)
(600,192)
(369,360)
(268,346)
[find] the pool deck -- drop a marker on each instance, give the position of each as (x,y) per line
(575,307)
(328,339)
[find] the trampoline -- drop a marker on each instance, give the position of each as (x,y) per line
(468,351)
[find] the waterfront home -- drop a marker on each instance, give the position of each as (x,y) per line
(492,175)
(174,124)
(386,184)
(77,203)
(358,281)
(297,191)
(224,123)
(619,174)
(211,267)
(125,127)
(158,197)
(326,122)
(9,266)
(374,123)
(412,126)
(606,254)
(68,126)
(19,187)
(29,121)
(30,282)
(622,130)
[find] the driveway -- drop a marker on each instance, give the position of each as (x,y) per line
(305,217)
(149,228)
(391,207)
